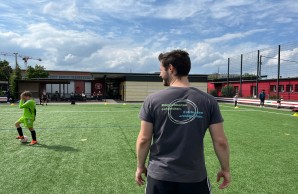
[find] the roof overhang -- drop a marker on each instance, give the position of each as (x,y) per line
(45,81)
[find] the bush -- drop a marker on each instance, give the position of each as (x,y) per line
(227,91)
(213,93)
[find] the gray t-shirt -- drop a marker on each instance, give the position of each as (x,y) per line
(180,117)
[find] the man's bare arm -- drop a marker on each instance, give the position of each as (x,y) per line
(221,148)
(142,146)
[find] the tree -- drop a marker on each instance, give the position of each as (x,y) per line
(227,91)
(247,75)
(213,76)
(5,70)
(213,93)
(37,72)
(13,81)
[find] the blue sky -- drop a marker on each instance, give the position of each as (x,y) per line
(127,36)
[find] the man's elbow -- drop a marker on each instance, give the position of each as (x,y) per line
(144,141)
(221,143)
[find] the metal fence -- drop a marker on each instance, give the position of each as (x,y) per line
(275,63)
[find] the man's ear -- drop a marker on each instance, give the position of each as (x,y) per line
(171,68)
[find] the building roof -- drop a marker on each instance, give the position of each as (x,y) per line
(153,77)
(81,75)
(236,80)
(45,81)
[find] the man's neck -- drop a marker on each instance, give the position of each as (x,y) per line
(180,82)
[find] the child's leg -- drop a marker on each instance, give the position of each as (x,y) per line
(19,129)
(33,133)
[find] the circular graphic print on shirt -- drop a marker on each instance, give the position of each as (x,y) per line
(182,111)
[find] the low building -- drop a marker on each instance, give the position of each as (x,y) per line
(129,87)
(287,88)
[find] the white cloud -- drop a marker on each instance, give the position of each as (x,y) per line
(65,9)
(179,9)
(69,57)
(231,36)
(128,35)
(284,20)
(288,57)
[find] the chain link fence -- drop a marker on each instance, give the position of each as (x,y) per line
(273,69)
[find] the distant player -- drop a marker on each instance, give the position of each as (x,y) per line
(262,98)
(279,102)
(44,98)
(28,104)
(236,100)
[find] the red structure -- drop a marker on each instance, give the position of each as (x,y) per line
(288,88)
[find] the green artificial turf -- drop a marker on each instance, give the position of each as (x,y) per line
(91,149)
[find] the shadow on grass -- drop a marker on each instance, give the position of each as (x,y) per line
(59,148)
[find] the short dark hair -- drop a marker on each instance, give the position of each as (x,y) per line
(27,93)
(179,59)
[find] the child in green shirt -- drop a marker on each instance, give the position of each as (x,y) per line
(28,104)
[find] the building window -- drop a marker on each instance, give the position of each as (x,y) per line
(253,91)
(296,88)
(289,88)
(281,88)
(272,88)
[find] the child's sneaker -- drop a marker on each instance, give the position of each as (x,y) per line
(33,142)
(20,137)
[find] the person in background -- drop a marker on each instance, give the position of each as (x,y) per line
(279,102)
(8,96)
(236,100)
(94,96)
(83,96)
(99,96)
(262,97)
(44,98)
(56,95)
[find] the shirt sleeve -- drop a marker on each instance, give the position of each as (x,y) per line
(21,103)
(145,112)
(215,114)
(24,104)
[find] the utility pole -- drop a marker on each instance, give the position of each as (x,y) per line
(258,74)
(260,71)
(241,64)
(16,59)
(278,72)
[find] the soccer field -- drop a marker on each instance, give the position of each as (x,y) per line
(90,148)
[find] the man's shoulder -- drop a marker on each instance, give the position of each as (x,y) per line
(158,93)
(170,93)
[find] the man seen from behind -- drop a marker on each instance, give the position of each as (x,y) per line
(173,125)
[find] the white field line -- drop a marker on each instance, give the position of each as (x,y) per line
(238,110)
(252,110)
